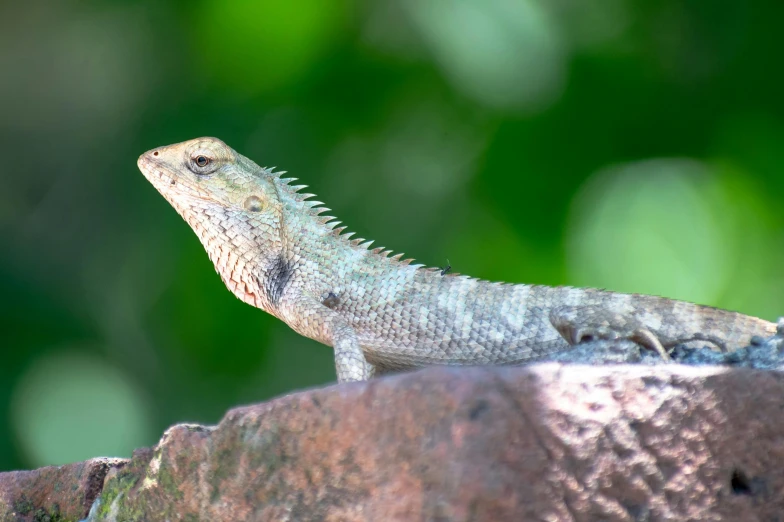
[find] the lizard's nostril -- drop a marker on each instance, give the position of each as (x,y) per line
(155,153)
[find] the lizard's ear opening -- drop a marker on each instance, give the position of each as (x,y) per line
(253,204)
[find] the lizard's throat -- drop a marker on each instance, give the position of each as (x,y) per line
(238,255)
(238,272)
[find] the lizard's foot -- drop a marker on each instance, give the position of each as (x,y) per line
(581,324)
(648,339)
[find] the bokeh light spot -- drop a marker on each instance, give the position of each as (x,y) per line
(68,407)
(506,54)
(653,227)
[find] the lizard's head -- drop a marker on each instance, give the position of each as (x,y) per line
(231,203)
(206,174)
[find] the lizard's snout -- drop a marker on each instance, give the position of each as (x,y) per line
(150,154)
(148,158)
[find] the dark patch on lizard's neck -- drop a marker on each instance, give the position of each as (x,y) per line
(276,278)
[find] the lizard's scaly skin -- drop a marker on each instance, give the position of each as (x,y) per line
(275,251)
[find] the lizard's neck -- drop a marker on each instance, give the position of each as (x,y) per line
(259,260)
(325,260)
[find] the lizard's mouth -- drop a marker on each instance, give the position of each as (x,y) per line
(171,186)
(164,181)
(179,192)
(153,169)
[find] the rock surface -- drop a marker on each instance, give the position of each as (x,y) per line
(55,493)
(546,442)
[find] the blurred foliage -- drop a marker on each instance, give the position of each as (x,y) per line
(636,146)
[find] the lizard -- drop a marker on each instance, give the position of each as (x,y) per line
(275,250)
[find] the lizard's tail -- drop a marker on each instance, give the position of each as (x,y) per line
(734,328)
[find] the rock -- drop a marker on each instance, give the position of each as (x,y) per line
(55,493)
(545,442)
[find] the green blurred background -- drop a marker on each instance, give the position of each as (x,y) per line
(632,145)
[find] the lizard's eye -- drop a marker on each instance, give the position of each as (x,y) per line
(201,161)
(201,164)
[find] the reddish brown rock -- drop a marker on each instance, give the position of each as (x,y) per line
(54,493)
(547,442)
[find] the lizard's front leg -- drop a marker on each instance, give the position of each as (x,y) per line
(350,362)
(311,318)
